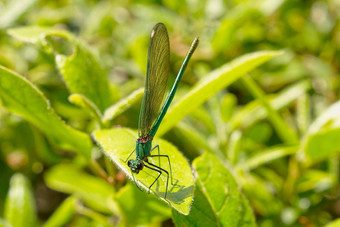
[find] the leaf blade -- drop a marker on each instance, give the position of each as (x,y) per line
(20,96)
(139,208)
(94,191)
(63,214)
(224,205)
(20,207)
(82,71)
(118,143)
(212,83)
(322,138)
(122,105)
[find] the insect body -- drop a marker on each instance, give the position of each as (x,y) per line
(151,115)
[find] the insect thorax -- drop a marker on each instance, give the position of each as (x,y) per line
(143,147)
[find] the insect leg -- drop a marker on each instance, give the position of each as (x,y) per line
(167,177)
(159,158)
(135,181)
(130,155)
(160,173)
(165,156)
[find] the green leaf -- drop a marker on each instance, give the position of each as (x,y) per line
(202,116)
(218,201)
(37,35)
(4,223)
(335,223)
(201,213)
(86,104)
(267,156)
(81,71)
(284,131)
(316,180)
(20,205)
(234,146)
(228,105)
(326,119)
(211,84)
(322,138)
(64,213)
(13,10)
(122,105)
(20,96)
(118,143)
(303,113)
(253,112)
(260,194)
(322,145)
(84,75)
(192,137)
(94,191)
(139,208)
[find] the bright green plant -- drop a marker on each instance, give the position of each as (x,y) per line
(252,133)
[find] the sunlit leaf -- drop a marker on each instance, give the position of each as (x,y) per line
(228,106)
(322,138)
(94,191)
(261,196)
(316,180)
(212,83)
(192,137)
(139,208)
(86,104)
(20,207)
(322,145)
(118,143)
(85,75)
(201,213)
(219,201)
(335,223)
(326,119)
(122,105)
(268,156)
(253,111)
(4,223)
(20,96)
(82,71)
(13,10)
(283,130)
(63,214)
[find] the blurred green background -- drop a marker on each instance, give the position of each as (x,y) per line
(282,192)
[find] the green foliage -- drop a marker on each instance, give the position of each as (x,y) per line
(252,133)
(218,201)
(212,83)
(63,214)
(119,143)
(81,71)
(22,97)
(20,207)
(14,10)
(334,223)
(138,208)
(86,104)
(321,141)
(95,192)
(119,107)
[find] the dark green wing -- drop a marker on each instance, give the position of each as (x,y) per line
(157,76)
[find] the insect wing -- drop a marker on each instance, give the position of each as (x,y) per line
(157,76)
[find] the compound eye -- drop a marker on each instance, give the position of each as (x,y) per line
(130,163)
(140,165)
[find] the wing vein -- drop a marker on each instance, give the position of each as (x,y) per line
(157,76)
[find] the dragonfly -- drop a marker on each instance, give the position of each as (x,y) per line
(151,114)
